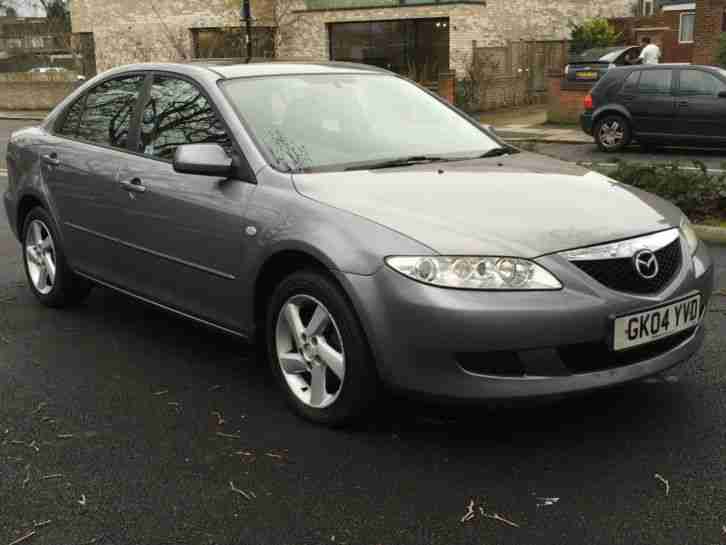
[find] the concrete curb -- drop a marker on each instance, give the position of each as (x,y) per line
(546,140)
(709,233)
(21,117)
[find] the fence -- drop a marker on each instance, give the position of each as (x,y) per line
(24,91)
(516,74)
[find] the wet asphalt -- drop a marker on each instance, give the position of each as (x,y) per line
(122,424)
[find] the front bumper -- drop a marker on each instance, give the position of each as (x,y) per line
(586,122)
(423,337)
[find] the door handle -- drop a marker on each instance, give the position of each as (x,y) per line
(683,104)
(51,159)
(134,185)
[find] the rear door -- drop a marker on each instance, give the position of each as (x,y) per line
(183,233)
(701,112)
(649,96)
(81,164)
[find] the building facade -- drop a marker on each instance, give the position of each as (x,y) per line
(417,37)
(710,25)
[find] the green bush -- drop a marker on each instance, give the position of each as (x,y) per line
(699,194)
(721,51)
(597,32)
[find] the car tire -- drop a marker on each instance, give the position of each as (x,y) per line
(324,364)
(50,278)
(612,133)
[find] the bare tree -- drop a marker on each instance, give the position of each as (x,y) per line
(176,40)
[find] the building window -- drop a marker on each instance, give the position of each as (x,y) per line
(688,23)
(415,48)
(647,7)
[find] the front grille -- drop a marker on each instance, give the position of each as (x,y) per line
(620,274)
(591,357)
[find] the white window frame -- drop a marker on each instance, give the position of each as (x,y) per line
(680,27)
(648,7)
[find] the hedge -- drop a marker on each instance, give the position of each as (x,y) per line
(700,194)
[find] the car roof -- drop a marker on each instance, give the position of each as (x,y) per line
(234,69)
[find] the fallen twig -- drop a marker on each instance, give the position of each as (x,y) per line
(42,523)
(238,491)
(39,408)
(469,515)
(229,435)
(220,419)
(273,455)
(27,476)
(34,446)
(497,516)
(65,436)
(160,392)
(51,476)
(546,502)
(665,482)
(215,387)
(22,538)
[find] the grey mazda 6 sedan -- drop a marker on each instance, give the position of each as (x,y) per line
(366,232)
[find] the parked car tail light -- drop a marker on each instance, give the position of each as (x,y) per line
(588,102)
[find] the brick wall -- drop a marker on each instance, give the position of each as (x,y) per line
(24,91)
(662,29)
(709,24)
(565,101)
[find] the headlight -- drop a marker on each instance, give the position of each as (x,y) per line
(476,273)
(689,234)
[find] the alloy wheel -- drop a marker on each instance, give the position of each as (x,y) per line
(612,133)
(40,256)
(309,350)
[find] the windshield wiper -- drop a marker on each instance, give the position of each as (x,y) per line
(495,152)
(401,162)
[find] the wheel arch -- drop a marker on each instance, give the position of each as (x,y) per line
(612,109)
(26,203)
(286,261)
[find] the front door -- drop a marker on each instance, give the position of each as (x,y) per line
(650,101)
(183,233)
(701,112)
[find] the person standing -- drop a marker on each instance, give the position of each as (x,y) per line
(650,53)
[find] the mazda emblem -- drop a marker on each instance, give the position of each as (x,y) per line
(646,264)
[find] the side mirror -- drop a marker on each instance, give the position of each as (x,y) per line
(722,94)
(204,159)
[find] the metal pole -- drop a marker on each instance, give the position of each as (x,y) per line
(247,16)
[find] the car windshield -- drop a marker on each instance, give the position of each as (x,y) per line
(330,122)
(600,54)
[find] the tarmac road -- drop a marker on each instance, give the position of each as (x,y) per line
(123,424)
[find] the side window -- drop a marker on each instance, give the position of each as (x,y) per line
(631,84)
(655,82)
(109,107)
(72,118)
(697,83)
(178,113)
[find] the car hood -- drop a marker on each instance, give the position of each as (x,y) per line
(523,205)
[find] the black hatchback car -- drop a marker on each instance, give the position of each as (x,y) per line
(593,64)
(657,104)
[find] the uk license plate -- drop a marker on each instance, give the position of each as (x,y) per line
(586,75)
(657,323)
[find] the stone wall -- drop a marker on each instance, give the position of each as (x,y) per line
(135,30)
(127,31)
(493,23)
(709,24)
(24,91)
